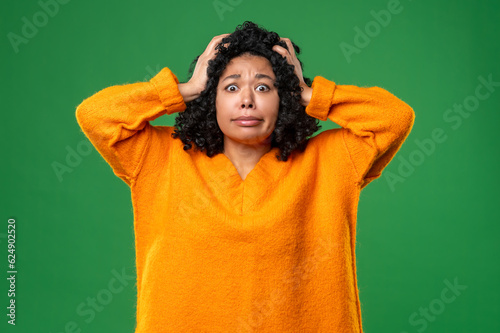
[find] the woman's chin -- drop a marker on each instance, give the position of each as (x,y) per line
(248,140)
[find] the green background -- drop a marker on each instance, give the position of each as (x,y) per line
(438,222)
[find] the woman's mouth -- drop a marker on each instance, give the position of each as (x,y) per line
(247,121)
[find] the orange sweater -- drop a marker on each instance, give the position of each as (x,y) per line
(272,253)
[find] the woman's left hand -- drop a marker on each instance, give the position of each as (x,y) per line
(292,60)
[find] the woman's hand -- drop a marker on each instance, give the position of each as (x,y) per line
(192,89)
(305,96)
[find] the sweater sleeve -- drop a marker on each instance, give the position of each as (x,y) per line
(374,122)
(116,120)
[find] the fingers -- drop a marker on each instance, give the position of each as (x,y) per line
(217,39)
(198,80)
(210,50)
(283,51)
(288,43)
(290,56)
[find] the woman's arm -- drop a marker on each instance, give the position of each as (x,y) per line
(116,119)
(375,123)
(196,84)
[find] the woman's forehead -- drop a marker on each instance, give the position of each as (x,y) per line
(248,62)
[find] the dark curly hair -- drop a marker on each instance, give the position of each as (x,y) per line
(198,123)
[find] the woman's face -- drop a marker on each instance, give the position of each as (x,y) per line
(247,101)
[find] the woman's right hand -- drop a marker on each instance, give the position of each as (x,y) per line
(193,88)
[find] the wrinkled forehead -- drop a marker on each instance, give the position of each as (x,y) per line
(247,62)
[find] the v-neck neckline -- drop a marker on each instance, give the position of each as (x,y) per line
(219,168)
(264,159)
(241,195)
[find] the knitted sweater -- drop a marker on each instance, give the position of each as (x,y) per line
(272,253)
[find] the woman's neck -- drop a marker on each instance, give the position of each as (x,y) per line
(243,156)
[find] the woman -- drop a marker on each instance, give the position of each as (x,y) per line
(243,221)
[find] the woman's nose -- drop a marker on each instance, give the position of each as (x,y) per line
(247,99)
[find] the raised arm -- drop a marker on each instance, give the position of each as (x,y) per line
(116,119)
(374,122)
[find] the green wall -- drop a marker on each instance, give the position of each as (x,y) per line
(429,222)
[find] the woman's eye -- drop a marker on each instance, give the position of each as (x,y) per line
(262,87)
(231,87)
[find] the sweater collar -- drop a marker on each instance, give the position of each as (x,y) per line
(238,195)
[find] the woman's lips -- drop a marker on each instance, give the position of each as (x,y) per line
(247,121)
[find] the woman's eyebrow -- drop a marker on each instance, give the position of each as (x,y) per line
(257,76)
(233,76)
(263,76)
